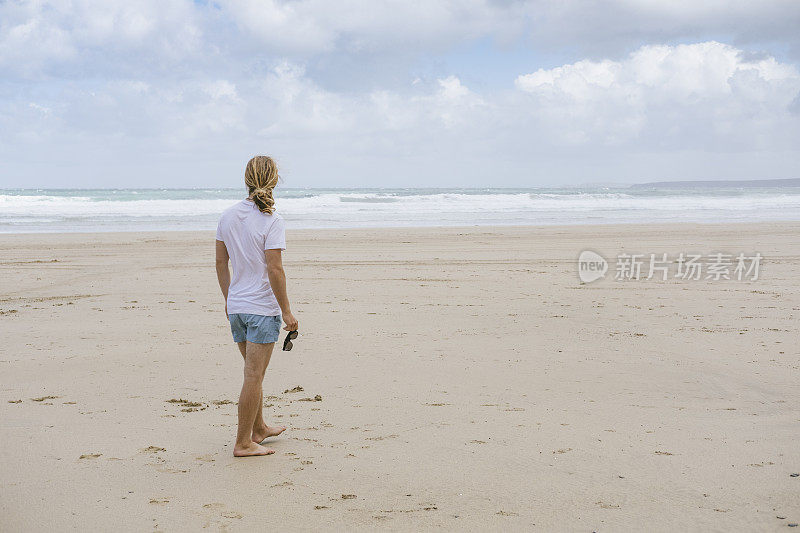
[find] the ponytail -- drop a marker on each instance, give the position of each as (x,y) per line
(261,177)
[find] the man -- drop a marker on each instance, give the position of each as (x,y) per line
(252,237)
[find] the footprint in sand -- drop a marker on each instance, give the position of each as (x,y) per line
(153,449)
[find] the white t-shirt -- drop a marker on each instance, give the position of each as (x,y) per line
(247,234)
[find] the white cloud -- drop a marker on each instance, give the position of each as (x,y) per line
(612,27)
(454,103)
(313,26)
(306,27)
(65,39)
(705,93)
(221,89)
(660,100)
(151,37)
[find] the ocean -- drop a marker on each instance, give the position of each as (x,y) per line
(98,210)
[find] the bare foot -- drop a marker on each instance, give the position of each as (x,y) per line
(250,450)
(266,432)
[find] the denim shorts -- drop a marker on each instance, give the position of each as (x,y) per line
(255,328)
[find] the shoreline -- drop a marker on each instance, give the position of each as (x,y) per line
(477,227)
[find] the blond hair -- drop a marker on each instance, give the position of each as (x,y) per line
(260,177)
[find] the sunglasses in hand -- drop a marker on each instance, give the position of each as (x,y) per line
(287,342)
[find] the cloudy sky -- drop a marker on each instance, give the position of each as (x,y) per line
(152,93)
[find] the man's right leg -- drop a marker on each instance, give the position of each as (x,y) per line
(256,360)
(261,430)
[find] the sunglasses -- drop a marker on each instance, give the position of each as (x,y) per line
(287,342)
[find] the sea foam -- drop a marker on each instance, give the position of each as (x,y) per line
(185,209)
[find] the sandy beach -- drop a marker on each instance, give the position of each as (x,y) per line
(456,379)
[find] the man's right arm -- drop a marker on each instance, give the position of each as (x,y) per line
(223,273)
(277,280)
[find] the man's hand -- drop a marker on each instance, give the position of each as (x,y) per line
(290,321)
